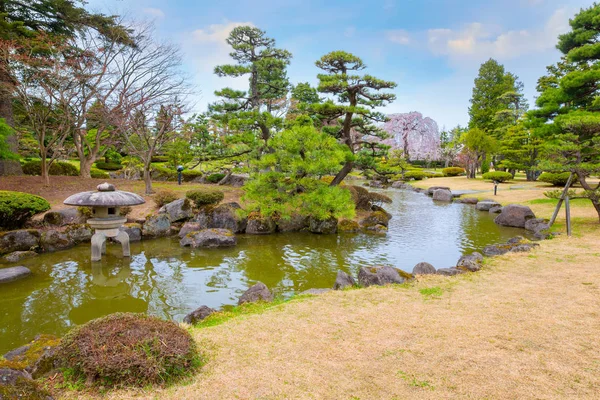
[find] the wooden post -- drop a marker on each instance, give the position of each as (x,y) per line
(560,201)
(568,214)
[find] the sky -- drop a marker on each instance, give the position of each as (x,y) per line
(431,48)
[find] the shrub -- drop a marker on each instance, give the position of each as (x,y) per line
(203,197)
(433,174)
(85,211)
(499,176)
(17,207)
(159,159)
(165,196)
(112,156)
(56,168)
(108,166)
(453,171)
(417,175)
(215,178)
(556,179)
(99,174)
(162,173)
(126,349)
(190,174)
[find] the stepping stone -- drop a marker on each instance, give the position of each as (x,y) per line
(13,273)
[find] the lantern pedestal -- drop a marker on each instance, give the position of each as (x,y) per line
(108,228)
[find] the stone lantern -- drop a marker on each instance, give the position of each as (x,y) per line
(106,221)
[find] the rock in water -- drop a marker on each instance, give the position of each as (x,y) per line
(13,273)
(369,276)
(432,189)
(157,226)
(343,280)
(258,292)
(209,238)
(514,215)
(17,256)
(260,226)
(198,315)
(21,240)
(442,195)
(485,205)
(423,268)
(327,226)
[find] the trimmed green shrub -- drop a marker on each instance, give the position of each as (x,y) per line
(215,178)
(56,168)
(165,196)
(556,179)
(204,197)
(499,176)
(433,174)
(126,349)
(17,207)
(190,174)
(162,173)
(108,166)
(159,159)
(417,175)
(99,174)
(453,171)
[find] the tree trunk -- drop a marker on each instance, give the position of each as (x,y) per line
(45,169)
(85,166)
(346,169)
(594,196)
(148,178)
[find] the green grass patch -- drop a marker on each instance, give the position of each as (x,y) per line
(412,380)
(432,292)
(243,310)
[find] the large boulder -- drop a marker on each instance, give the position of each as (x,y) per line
(157,226)
(449,271)
(496,250)
(259,225)
(495,210)
(400,185)
(375,218)
(295,223)
(15,384)
(258,292)
(198,315)
(348,226)
(237,180)
(63,217)
(133,230)
(468,200)
(17,256)
(178,210)
(209,238)
(13,274)
(79,233)
(485,205)
(53,240)
(471,262)
(327,226)
(381,275)
(423,268)
(432,189)
(21,240)
(227,216)
(442,195)
(189,227)
(343,280)
(539,226)
(514,215)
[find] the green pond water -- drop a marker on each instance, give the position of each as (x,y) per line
(162,278)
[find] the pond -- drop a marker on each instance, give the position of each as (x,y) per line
(163,279)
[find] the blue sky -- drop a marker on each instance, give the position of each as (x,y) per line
(431,48)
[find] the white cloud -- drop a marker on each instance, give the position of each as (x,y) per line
(154,12)
(398,36)
(476,42)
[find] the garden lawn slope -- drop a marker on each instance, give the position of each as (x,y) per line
(524,327)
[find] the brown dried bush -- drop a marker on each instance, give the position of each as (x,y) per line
(126,349)
(165,196)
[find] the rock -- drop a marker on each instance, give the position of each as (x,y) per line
(449,271)
(63,217)
(400,185)
(157,226)
(327,226)
(258,292)
(377,229)
(375,218)
(495,210)
(471,262)
(46,363)
(537,225)
(190,227)
(235,180)
(198,315)
(442,195)
(315,291)
(376,184)
(10,376)
(485,205)
(432,189)
(17,256)
(21,240)
(133,230)
(37,357)
(423,268)
(514,215)
(523,247)
(209,238)
(19,385)
(259,225)
(375,207)
(368,276)
(468,200)
(79,233)
(348,226)
(226,216)
(343,280)
(13,274)
(495,250)
(295,223)
(516,240)
(53,240)
(178,210)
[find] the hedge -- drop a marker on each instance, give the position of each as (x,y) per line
(203,197)
(99,174)
(499,176)
(556,179)
(56,168)
(17,207)
(417,175)
(190,174)
(453,171)
(215,178)
(108,166)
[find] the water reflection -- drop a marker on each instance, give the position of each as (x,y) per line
(166,280)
